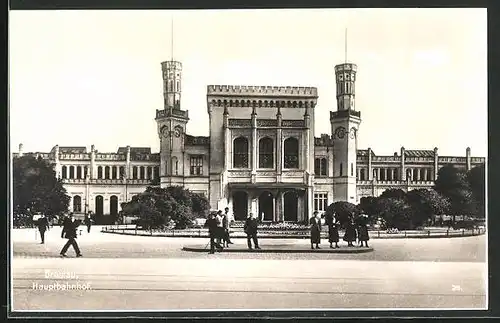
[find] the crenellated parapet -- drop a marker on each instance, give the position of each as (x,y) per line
(243,102)
(262,91)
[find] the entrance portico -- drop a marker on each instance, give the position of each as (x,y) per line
(270,202)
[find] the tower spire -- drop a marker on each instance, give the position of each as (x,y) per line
(345,49)
(172,39)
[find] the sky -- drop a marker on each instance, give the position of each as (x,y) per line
(79,78)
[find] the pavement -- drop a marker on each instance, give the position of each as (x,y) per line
(154,273)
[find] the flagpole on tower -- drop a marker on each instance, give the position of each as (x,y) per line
(172,39)
(345,42)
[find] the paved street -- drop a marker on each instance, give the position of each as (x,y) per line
(141,273)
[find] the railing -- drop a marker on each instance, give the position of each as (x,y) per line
(290,233)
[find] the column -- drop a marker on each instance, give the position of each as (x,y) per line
(436,166)
(127,167)
(278,210)
(425,174)
(279,135)
(358,174)
(418,174)
(370,173)
(309,205)
(93,170)
(385,174)
(254,142)
(378,174)
(394,174)
(403,168)
(467,159)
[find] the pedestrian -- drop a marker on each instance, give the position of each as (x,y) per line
(363,235)
(70,226)
(226,240)
(220,227)
(350,233)
(43,225)
(211,224)
(250,228)
(333,230)
(88,222)
(315,223)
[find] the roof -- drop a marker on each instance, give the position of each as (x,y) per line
(73,150)
(419,153)
(135,150)
(364,152)
(197,140)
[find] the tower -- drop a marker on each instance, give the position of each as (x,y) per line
(345,124)
(171,124)
(172,72)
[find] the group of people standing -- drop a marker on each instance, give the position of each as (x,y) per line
(218,224)
(352,233)
(218,229)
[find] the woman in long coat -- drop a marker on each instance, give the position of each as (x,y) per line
(333,230)
(363,230)
(315,230)
(350,233)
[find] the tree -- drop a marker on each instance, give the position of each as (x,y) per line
(453,185)
(344,211)
(396,193)
(396,213)
(370,206)
(36,188)
(157,207)
(476,181)
(425,203)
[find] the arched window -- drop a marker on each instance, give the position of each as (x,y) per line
(64,172)
(134,172)
(141,172)
(99,172)
(340,170)
(240,152)
(266,153)
(178,86)
(150,172)
(291,153)
(77,204)
(114,172)
(85,171)
(362,174)
(106,172)
(156,172)
(122,172)
(71,172)
(78,172)
(175,166)
(352,169)
(170,86)
(320,167)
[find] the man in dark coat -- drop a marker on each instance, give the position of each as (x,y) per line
(213,232)
(250,228)
(315,223)
(333,230)
(88,222)
(70,226)
(43,225)
(350,233)
(363,235)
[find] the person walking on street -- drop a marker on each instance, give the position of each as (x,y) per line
(88,222)
(43,225)
(333,230)
(250,228)
(211,224)
(69,232)
(315,223)
(226,240)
